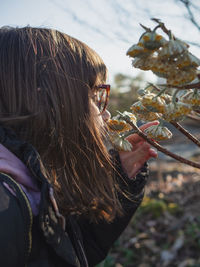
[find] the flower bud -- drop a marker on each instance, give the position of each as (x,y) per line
(192,98)
(153,103)
(118,126)
(173,48)
(137,107)
(137,51)
(152,40)
(176,112)
(120,143)
(158,132)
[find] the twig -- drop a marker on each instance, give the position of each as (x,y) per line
(162,26)
(154,86)
(193,117)
(188,86)
(186,133)
(191,15)
(145,28)
(192,43)
(162,149)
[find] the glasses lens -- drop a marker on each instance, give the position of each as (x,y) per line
(101,98)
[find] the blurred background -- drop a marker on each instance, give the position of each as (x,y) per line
(166,228)
(108,26)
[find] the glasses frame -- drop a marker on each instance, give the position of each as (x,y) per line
(107,87)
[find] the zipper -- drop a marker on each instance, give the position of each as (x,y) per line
(27,254)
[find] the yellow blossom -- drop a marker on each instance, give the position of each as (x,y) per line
(186,60)
(120,143)
(158,132)
(148,116)
(152,40)
(118,126)
(192,98)
(176,112)
(137,51)
(180,77)
(137,107)
(153,103)
(173,48)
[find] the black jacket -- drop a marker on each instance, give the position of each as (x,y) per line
(27,240)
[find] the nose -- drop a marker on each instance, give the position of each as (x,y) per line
(106,115)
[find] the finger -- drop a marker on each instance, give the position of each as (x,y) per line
(147,151)
(134,164)
(134,170)
(141,153)
(153,153)
(147,125)
(134,160)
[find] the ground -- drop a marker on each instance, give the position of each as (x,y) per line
(165,231)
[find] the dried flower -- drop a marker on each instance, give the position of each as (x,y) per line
(158,132)
(151,40)
(120,143)
(148,116)
(192,98)
(162,66)
(167,98)
(141,63)
(137,51)
(173,48)
(153,103)
(137,107)
(118,124)
(180,77)
(187,60)
(176,112)
(128,115)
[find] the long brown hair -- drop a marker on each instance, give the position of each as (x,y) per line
(46,78)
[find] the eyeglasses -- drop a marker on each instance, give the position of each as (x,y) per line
(101,96)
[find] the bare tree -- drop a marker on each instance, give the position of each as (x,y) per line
(193,11)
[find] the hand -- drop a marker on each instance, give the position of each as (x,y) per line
(132,161)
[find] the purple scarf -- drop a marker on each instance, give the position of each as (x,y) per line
(13,166)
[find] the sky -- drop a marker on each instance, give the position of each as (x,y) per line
(110,27)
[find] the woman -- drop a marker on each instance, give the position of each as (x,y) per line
(53,137)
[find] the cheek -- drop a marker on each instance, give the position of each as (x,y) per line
(106,115)
(95,112)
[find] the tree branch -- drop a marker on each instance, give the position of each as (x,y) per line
(162,26)
(186,133)
(160,148)
(187,5)
(187,86)
(193,117)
